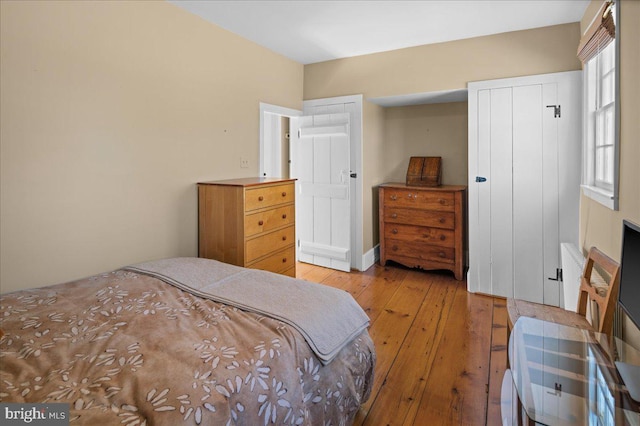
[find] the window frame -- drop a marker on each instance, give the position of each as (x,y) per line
(603,192)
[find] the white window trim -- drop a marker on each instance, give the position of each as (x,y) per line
(603,196)
(600,195)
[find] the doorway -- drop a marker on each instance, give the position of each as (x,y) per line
(270,143)
(274,140)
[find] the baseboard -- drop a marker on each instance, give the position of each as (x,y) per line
(371,257)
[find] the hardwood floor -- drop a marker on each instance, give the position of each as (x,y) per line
(441,351)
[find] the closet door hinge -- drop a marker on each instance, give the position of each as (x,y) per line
(558,275)
(556,110)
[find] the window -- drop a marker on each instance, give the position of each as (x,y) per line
(600,167)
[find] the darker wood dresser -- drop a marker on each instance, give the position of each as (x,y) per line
(423,227)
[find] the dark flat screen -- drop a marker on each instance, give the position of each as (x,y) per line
(629,297)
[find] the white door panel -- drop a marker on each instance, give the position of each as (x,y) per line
(527,193)
(320,162)
(499,192)
(478,255)
(517,213)
(551,196)
(353,106)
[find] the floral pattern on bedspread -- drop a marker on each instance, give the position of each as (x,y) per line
(127,348)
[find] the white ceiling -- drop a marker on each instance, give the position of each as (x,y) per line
(316,31)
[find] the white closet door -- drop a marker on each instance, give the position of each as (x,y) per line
(514,193)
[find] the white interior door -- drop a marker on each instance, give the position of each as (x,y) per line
(524,167)
(320,159)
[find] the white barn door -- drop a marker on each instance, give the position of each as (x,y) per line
(320,151)
(524,175)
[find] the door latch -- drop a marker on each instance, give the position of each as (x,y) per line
(481,179)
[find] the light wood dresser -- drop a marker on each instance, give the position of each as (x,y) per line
(248,222)
(423,227)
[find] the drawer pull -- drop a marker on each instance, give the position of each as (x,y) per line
(284,260)
(260,198)
(442,201)
(394,215)
(260,223)
(442,220)
(442,254)
(284,216)
(393,197)
(284,194)
(394,248)
(284,238)
(442,238)
(394,231)
(409,195)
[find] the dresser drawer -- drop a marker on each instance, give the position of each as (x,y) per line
(265,221)
(429,200)
(419,251)
(258,198)
(277,262)
(435,219)
(420,234)
(291,272)
(268,243)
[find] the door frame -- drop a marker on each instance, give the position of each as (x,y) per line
(265,140)
(569,156)
(357,258)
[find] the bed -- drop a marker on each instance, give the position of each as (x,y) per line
(168,342)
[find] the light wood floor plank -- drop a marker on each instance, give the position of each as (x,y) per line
(498,357)
(375,297)
(456,391)
(393,324)
(312,273)
(399,396)
(441,351)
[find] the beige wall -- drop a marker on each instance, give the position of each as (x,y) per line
(443,66)
(600,226)
(437,130)
(446,66)
(110,113)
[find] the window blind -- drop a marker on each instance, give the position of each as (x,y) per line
(600,33)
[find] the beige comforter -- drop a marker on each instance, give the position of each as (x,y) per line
(127,348)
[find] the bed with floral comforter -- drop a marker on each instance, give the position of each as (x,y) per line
(128,348)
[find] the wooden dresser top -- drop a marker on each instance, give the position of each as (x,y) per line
(251,181)
(400,185)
